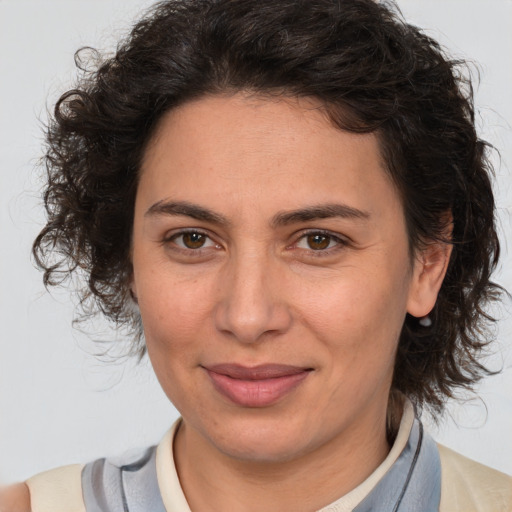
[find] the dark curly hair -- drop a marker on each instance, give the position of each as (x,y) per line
(373,73)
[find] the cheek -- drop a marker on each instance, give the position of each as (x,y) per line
(174,323)
(357,305)
(358,317)
(173,310)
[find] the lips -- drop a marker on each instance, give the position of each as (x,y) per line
(257,386)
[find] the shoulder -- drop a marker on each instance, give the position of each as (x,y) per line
(468,486)
(15,498)
(57,490)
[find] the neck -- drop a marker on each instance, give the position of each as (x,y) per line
(306,483)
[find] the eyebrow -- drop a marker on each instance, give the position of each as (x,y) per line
(324,211)
(194,211)
(184,208)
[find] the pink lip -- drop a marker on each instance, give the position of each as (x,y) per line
(256,386)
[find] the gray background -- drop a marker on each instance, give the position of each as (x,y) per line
(58,403)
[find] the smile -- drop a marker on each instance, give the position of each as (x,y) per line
(258,386)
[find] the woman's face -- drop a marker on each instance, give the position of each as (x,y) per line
(273,274)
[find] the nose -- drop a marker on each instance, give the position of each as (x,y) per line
(251,304)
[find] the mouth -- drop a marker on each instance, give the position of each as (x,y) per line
(257,386)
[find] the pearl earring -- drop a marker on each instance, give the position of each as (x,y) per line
(425,321)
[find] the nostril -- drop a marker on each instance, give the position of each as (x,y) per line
(249,306)
(252,324)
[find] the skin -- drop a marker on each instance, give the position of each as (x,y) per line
(15,498)
(327,294)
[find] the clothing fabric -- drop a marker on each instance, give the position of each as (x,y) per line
(416,476)
(467,486)
(122,486)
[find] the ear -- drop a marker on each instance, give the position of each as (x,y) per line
(431,263)
(133,294)
(132,290)
(132,287)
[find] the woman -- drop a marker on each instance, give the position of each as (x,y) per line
(288,205)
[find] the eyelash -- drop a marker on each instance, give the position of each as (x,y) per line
(174,236)
(339,242)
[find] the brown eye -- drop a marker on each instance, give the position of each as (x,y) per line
(193,240)
(191,243)
(318,242)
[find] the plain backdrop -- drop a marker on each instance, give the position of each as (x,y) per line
(58,403)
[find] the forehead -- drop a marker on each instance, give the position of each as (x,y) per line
(261,150)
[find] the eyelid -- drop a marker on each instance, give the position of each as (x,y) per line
(176,233)
(341,241)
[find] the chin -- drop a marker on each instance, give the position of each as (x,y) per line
(276,441)
(274,451)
